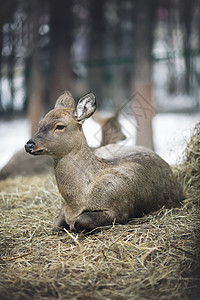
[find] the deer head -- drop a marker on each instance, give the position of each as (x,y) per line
(60,131)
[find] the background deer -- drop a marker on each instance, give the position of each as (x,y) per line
(111,129)
(99,191)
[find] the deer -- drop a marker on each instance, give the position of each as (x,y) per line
(111,129)
(22,164)
(99,190)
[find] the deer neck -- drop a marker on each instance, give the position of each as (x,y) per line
(75,172)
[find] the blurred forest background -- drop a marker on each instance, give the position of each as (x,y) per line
(111,47)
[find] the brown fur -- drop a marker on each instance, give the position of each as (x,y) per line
(99,191)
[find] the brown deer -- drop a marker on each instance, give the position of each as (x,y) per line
(22,164)
(98,191)
(111,129)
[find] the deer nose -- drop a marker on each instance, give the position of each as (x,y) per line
(29,146)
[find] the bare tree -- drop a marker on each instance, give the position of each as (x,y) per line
(142,69)
(61,35)
(36,97)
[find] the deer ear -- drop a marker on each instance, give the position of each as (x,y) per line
(65,101)
(85,108)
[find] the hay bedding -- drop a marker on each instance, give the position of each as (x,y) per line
(154,257)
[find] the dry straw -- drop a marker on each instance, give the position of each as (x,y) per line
(154,257)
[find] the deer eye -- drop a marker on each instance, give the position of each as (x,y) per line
(60,127)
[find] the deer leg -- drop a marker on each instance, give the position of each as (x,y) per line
(60,221)
(90,220)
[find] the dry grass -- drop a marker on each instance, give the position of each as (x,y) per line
(154,257)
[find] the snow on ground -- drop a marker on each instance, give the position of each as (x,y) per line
(13,135)
(170,133)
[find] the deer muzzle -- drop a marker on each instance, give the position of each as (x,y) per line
(29,147)
(32,148)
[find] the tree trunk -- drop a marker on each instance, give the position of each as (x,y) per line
(142,78)
(36,97)
(61,25)
(96,46)
(187,19)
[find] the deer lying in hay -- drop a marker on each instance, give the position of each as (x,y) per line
(99,191)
